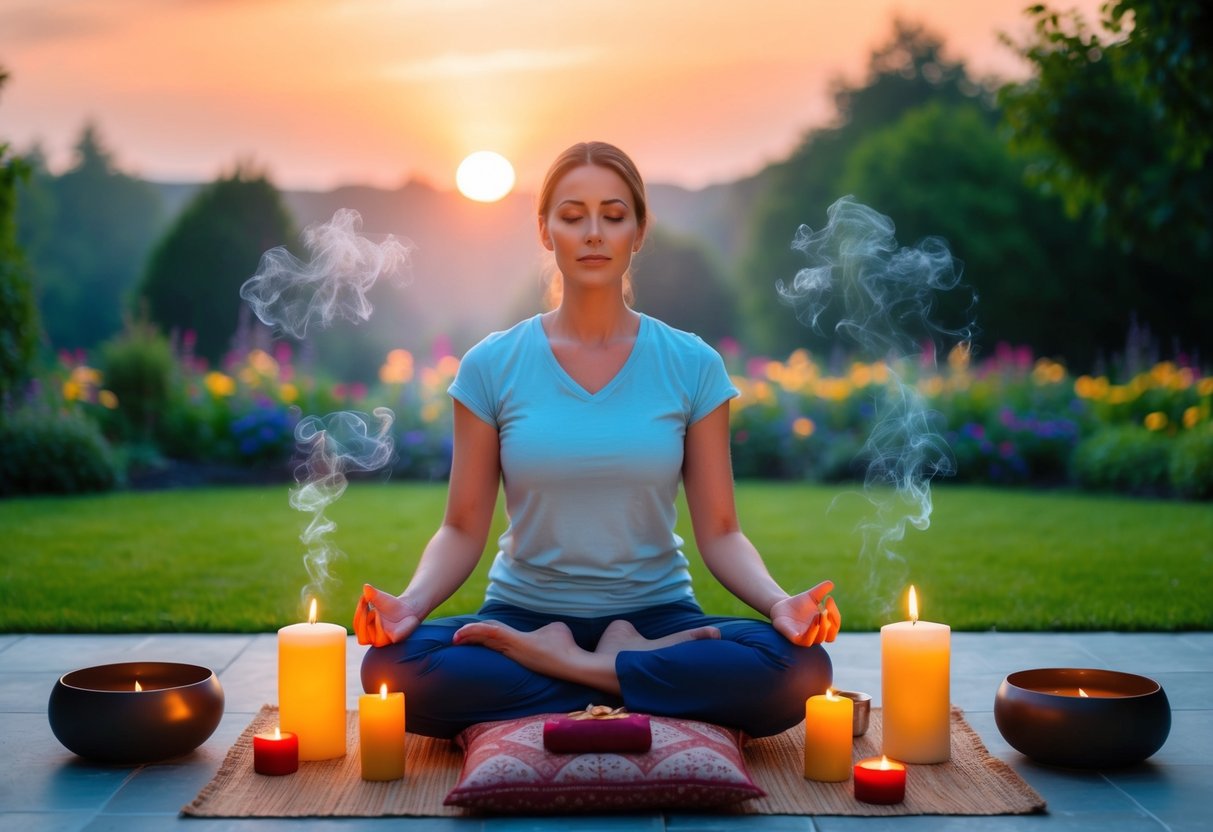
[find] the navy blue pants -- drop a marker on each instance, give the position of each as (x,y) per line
(751,678)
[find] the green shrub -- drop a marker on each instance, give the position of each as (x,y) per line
(53,452)
(138,366)
(1124,458)
(1191,467)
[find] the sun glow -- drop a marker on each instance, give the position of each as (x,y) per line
(485,176)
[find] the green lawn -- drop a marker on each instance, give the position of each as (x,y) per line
(229,560)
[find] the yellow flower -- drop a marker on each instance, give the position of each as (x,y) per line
(86,376)
(1191,416)
(107,399)
(288,392)
(447,366)
(1086,387)
(1156,420)
(1048,372)
(1204,387)
(71,390)
(398,368)
(803,427)
(931,386)
(430,412)
(219,385)
(263,363)
(861,374)
(958,358)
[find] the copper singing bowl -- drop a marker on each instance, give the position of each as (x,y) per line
(1124,720)
(97,713)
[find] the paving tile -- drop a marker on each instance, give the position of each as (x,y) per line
(167,823)
(43,775)
(50,789)
(44,821)
(1166,792)
(60,653)
(26,692)
(1146,653)
(577,823)
(1102,822)
(743,823)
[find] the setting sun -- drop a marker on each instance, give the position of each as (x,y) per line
(485,176)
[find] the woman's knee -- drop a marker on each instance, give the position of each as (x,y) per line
(779,703)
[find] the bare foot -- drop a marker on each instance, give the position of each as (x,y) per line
(550,650)
(620,635)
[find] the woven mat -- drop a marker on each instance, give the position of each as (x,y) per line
(972,783)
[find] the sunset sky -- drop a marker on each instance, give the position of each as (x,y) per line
(330,92)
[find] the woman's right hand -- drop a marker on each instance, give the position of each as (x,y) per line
(382,619)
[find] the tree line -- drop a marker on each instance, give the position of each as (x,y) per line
(1078,201)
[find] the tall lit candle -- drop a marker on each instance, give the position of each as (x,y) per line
(827,737)
(311,686)
(381,734)
(915,660)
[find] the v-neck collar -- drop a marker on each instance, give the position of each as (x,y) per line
(572,383)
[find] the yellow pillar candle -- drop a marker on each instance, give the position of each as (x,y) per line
(381,734)
(827,737)
(311,686)
(915,658)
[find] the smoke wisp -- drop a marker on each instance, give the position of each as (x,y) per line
(884,299)
(334,445)
(291,295)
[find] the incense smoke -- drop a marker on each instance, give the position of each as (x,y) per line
(883,297)
(335,444)
(291,295)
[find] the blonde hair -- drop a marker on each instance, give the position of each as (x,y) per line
(603,155)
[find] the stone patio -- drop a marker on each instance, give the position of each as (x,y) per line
(45,787)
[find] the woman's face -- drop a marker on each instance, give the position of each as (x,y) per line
(591,226)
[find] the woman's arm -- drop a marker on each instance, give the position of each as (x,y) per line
(454,550)
(707,475)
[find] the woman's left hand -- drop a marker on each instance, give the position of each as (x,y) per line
(808,618)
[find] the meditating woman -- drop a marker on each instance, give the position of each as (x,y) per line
(591,414)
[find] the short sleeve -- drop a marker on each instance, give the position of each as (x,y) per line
(714,387)
(473,387)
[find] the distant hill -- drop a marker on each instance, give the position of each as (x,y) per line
(478,266)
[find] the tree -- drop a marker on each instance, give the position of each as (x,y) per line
(18,314)
(87,233)
(193,276)
(678,281)
(1119,122)
(944,170)
(908,71)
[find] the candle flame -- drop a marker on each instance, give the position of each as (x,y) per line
(277,733)
(383,691)
(913,604)
(884,763)
(1083,694)
(138,687)
(311,613)
(830,694)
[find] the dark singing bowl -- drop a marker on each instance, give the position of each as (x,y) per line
(97,713)
(1125,719)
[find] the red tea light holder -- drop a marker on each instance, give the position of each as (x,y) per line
(880,780)
(275,752)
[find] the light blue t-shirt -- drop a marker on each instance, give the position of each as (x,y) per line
(591,479)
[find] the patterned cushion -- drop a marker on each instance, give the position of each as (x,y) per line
(690,765)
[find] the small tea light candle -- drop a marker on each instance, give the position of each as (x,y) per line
(880,780)
(276,753)
(381,734)
(827,737)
